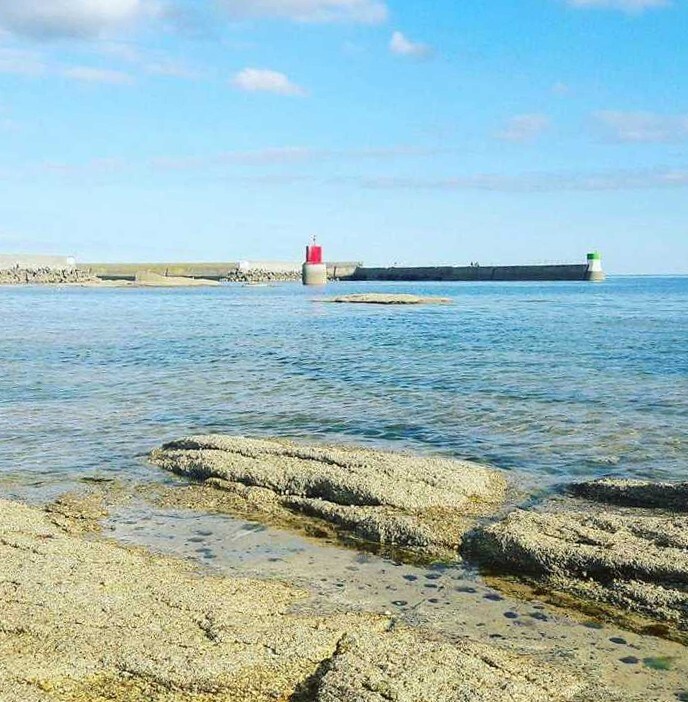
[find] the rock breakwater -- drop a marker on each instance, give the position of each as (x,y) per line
(44,276)
(262,276)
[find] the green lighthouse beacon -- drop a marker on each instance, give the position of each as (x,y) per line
(595,274)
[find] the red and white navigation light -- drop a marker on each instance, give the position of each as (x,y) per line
(314,271)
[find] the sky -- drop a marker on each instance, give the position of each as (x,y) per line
(397,131)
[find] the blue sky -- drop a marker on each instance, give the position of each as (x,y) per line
(397,131)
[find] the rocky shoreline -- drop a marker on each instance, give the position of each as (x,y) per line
(86,620)
(629,561)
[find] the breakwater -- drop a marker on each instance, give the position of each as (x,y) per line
(236,271)
(477,273)
(128,271)
(43,276)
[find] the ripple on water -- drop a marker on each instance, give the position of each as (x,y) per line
(589,381)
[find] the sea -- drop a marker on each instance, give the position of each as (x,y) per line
(554,381)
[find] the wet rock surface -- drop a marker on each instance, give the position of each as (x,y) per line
(394,499)
(629,560)
(88,620)
(634,493)
(389,299)
(78,512)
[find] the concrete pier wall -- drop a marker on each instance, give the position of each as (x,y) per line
(128,271)
(211,271)
(472,273)
(346,270)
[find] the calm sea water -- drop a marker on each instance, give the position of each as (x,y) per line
(558,380)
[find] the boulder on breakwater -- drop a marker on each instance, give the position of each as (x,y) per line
(258,275)
(420,503)
(44,276)
(86,620)
(623,549)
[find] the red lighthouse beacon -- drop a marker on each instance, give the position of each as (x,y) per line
(314,271)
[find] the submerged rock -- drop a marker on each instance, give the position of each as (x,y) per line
(628,561)
(389,299)
(155,280)
(423,503)
(85,620)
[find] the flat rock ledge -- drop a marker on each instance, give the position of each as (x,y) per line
(424,504)
(629,561)
(387,299)
(155,280)
(85,620)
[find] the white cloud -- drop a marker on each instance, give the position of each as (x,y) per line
(292,155)
(7,124)
(154,63)
(20,62)
(362,11)
(257,157)
(94,166)
(120,51)
(658,178)
(260,80)
(524,128)
(641,127)
(87,74)
(402,46)
(661,178)
(633,6)
(43,19)
(172,69)
(561,89)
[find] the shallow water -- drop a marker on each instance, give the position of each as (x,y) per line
(448,598)
(559,380)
